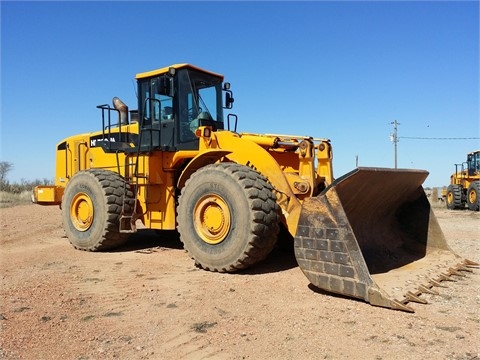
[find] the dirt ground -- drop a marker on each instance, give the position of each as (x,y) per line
(148,301)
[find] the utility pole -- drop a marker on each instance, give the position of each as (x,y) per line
(394,138)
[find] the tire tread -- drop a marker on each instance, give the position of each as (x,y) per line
(113,187)
(265,214)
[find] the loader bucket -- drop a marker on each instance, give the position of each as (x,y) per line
(372,235)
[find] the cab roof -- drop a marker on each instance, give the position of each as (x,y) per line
(164,70)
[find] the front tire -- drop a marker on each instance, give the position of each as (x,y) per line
(454,197)
(91,208)
(227,217)
(473,196)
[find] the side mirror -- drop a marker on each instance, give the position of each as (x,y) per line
(229,99)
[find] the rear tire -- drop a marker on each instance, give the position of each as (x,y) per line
(91,208)
(473,196)
(227,217)
(454,197)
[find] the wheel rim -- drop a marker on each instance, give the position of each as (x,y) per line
(449,198)
(212,219)
(472,196)
(81,212)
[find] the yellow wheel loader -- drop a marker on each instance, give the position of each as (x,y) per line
(177,163)
(464,188)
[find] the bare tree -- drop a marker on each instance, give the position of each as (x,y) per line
(5,167)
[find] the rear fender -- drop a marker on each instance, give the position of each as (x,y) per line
(199,161)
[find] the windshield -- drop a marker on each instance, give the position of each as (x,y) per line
(473,161)
(200,100)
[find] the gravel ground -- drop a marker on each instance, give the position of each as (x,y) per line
(148,301)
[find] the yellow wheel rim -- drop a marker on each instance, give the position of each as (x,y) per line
(472,196)
(450,198)
(81,212)
(212,219)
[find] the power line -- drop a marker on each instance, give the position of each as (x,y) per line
(395,138)
(437,138)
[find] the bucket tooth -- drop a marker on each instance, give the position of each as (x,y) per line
(453,271)
(427,290)
(470,263)
(436,283)
(415,298)
(397,305)
(446,277)
(464,268)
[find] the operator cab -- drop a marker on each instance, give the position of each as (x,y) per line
(173,102)
(473,163)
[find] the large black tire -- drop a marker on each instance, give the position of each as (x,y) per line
(227,217)
(473,196)
(91,208)
(454,197)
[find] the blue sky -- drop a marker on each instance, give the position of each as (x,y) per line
(337,70)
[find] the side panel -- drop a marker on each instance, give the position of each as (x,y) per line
(156,191)
(62,165)
(76,154)
(72,156)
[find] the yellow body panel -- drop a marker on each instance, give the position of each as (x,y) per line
(165,70)
(80,152)
(48,195)
(463,179)
(156,192)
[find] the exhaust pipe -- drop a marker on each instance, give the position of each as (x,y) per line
(120,106)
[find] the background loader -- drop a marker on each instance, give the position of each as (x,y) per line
(177,163)
(464,188)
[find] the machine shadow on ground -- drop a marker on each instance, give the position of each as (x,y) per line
(280,259)
(146,239)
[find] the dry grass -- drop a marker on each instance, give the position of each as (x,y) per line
(8,199)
